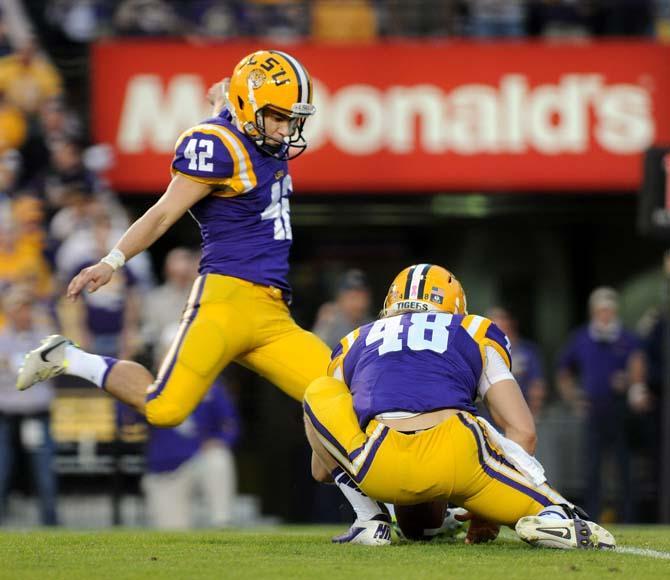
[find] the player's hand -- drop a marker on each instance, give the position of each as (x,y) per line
(90,279)
(480,530)
(640,398)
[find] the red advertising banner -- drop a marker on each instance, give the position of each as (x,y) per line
(410,117)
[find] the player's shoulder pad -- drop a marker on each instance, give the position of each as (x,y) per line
(215,154)
(485,333)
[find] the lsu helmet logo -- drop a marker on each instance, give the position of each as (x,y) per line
(425,288)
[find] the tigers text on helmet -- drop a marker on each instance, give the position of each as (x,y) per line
(270,80)
(425,288)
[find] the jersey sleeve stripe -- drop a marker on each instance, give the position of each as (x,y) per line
(501,351)
(244,172)
(481,330)
(472,323)
(335,368)
(214,181)
(243,178)
(348,341)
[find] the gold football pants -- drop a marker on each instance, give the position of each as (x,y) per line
(453,461)
(227,319)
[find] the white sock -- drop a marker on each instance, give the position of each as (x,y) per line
(365,508)
(91,367)
(555,512)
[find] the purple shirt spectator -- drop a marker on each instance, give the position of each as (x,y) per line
(598,362)
(527,366)
(105,308)
(215,418)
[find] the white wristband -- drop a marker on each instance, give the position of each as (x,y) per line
(115,259)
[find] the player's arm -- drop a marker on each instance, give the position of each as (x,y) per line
(510,411)
(505,401)
(181,194)
(338,358)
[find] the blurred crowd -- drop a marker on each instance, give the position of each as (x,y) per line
(88,20)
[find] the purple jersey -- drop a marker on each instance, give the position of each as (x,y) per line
(598,362)
(245,221)
(105,308)
(416,362)
(527,365)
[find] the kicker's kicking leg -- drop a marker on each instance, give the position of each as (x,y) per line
(125,380)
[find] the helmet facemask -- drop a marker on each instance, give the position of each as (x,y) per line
(291,146)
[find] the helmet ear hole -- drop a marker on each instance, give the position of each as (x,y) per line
(240,102)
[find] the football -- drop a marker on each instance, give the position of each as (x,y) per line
(420,521)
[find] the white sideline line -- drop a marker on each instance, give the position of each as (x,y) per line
(643,552)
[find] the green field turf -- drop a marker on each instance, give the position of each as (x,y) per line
(306,552)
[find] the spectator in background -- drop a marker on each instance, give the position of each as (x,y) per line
(609,365)
(560,18)
(72,230)
(147,18)
(648,427)
(55,124)
(626,17)
(194,457)
(10,168)
(67,172)
(418,19)
(527,366)
(28,79)
(24,421)
(108,320)
(287,20)
(5,46)
(80,21)
(163,305)
(215,18)
(496,18)
(336,21)
(13,125)
(21,260)
(662,20)
(349,310)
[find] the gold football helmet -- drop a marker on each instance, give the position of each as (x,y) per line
(270,79)
(425,288)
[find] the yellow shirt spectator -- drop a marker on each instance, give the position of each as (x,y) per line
(28,79)
(13,127)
